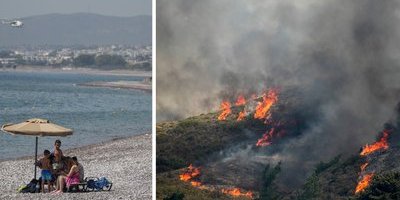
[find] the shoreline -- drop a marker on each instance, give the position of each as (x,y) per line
(85,147)
(134,85)
(125,161)
(90,71)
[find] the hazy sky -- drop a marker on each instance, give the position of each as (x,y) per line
(24,8)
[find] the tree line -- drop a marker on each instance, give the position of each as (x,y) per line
(107,62)
(104,62)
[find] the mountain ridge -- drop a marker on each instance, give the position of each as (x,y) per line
(78,29)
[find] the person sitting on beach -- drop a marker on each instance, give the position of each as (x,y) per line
(45,165)
(68,179)
(80,167)
(63,168)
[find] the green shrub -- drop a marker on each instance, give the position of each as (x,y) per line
(311,188)
(269,175)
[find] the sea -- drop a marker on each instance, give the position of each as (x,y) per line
(95,114)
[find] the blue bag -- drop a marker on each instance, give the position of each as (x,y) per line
(101,183)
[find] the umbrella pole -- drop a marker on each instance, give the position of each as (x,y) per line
(36,155)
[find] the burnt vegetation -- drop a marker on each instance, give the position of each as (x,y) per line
(205,141)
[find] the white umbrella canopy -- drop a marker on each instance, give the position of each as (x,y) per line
(36,127)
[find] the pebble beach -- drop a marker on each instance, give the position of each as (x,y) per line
(124,161)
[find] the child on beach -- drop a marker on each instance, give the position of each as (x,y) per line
(45,165)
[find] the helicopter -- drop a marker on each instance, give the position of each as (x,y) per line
(13,23)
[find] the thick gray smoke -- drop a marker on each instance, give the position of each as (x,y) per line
(344,54)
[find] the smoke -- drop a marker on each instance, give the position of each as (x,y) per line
(342,54)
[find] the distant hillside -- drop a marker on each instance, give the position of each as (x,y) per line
(78,29)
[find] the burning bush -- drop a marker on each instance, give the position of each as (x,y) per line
(383,186)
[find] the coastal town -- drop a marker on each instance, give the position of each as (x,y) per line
(103,57)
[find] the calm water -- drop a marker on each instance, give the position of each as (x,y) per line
(95,114)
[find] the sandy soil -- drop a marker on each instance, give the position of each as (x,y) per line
(126,162)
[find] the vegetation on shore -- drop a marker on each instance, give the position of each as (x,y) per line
(102,62)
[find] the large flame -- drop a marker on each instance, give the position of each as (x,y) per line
(381,144)
(236,192)
(364,183)
(190,173)
(226,110)
(239,102)
(263,107)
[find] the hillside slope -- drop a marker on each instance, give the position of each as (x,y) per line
(226,156)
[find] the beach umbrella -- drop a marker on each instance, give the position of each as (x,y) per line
(38,128)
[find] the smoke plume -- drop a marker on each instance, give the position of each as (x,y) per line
(342,54)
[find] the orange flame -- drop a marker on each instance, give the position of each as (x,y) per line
(190,173)
(265,140)
(364,183)
(236,192)
(241,116)
(381,144)
(264,106)
(240,100)
(226,110)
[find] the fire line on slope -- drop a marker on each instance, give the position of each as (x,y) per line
(261,111)
(381,144)
(366,178)
(192,173)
